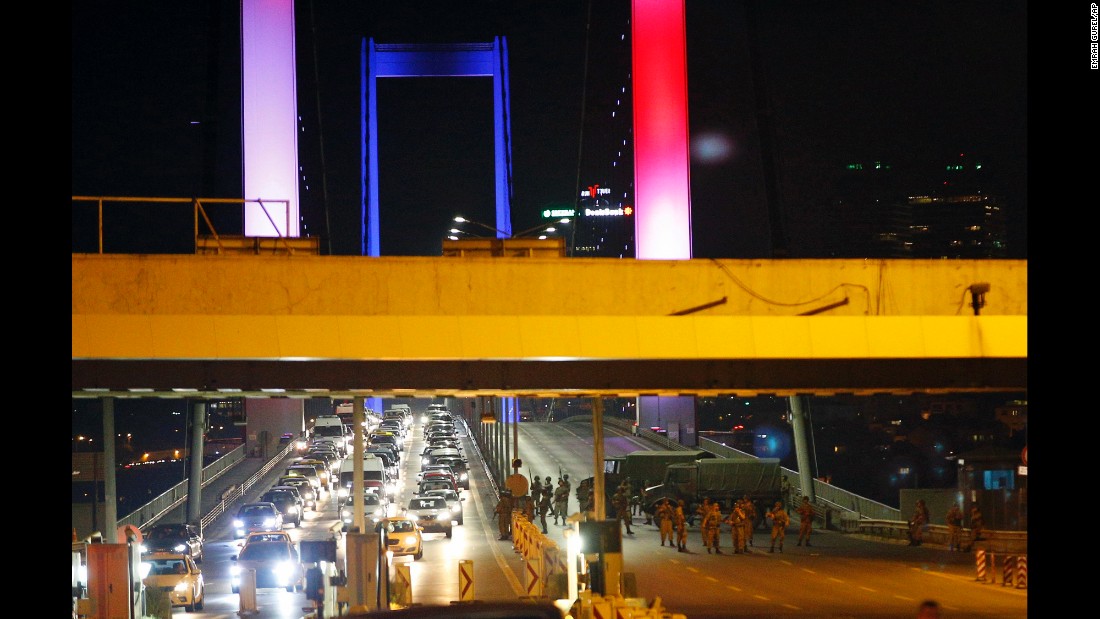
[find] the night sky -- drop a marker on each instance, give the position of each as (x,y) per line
(156,111)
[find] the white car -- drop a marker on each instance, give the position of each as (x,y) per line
(454,501)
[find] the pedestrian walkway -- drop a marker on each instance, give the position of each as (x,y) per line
(241,483)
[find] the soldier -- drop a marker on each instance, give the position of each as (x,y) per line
(750,519)
(582,491)
(643,502)
(621,503)
(954,521)
(977,524)
(544,506)
(917,524)
(536,489)
(503,510)
(712,526)
(561,502)
(780,520)
(548,490)
(664,521)
(679,523)
(701,511)
(589,503)
(736,520)
(806,520)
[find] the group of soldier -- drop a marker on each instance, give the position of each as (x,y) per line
(544,500)
(670,517)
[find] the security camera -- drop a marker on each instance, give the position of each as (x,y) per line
(979,288)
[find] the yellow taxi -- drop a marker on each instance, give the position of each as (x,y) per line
(176,574)
(402,536)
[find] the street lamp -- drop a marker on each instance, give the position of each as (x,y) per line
(543,227)
(460,219)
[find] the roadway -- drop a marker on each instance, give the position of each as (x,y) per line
(840,575)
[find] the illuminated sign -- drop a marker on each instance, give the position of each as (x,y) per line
(595,190)
(608,212)
(554,213)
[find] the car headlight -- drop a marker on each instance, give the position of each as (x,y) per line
(144,548)
(463,476)
(455,509)
(284,570)
(182,586)
(344,492)
(180,547)
(409,540)
(269,523)
(235,570)
(238,523)
(293,509)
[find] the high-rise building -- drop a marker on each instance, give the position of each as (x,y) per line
(877,211)
(960,218)
(604,223)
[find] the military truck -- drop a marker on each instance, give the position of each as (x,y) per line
(645,467)
(723,480)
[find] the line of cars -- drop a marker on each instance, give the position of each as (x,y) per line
(171,553)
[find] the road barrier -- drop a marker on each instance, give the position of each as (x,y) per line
(1021,572)
(981,563)
(401,593)
(1008,571)
(465,581)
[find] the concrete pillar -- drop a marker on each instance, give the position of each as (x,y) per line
(194,477)
(110,508)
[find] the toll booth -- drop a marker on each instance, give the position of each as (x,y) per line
(602,547)
(996,479)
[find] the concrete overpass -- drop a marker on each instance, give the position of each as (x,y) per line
(218,326)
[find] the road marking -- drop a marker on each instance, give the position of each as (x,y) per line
(792,607)
(809,571)
(761,597)
(835,579)
(737,589)
(869,589)
(712,579)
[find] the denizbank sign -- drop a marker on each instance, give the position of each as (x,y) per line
(555,213)
(591,193)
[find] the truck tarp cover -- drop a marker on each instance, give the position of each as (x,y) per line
(752,477)
(650,466)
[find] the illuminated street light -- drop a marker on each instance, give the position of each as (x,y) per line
(544,228)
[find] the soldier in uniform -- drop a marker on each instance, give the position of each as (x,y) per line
(679,523)
(536,489)
(582,491)
(503,511)
(750,519)
(664,521)
(544,506)
(736,520)
(561,502)
(621,502)
(780,520)
(954,521)
(805,520)
(712,527)
(700,511)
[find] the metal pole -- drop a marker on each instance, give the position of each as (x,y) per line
(597,457)
(802,449)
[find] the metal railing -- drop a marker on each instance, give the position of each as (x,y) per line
(148,514)
(199,214)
